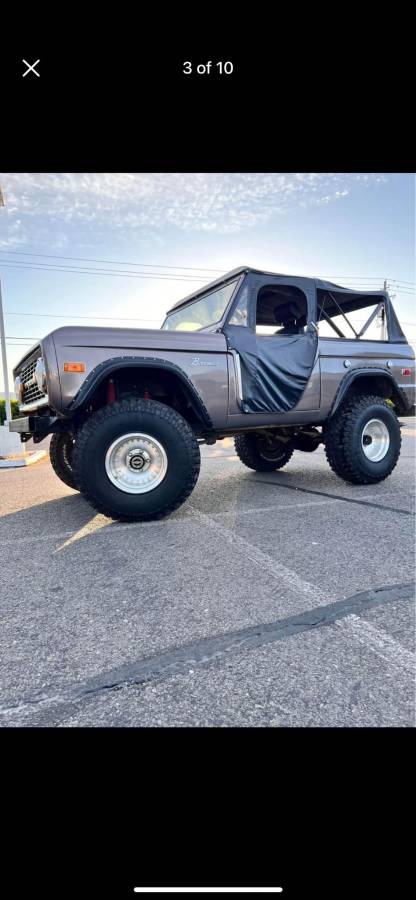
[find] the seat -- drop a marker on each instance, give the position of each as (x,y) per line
(288,316)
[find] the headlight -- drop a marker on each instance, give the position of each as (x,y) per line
(40,375)
(18,389)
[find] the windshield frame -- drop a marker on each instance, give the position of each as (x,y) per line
(206,293)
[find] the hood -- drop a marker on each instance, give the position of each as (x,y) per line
(138,339)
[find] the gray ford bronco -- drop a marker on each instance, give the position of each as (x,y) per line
(273,360)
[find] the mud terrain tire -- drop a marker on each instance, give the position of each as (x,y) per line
(252,452)
(60,454)
(145,447)
(350,449)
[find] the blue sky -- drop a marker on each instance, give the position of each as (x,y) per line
(357,228)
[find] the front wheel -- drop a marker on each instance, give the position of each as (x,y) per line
(262,452)
(363,440)
(136,459)
(60,454)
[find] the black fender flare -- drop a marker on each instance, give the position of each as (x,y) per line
(104,369)
(368,371)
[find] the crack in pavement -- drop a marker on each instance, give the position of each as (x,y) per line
(293,487)
(210,650)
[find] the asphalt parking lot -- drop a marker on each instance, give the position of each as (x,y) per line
(281,599)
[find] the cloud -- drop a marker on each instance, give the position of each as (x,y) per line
(41,207)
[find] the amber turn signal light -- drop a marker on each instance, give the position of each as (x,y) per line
(74,367)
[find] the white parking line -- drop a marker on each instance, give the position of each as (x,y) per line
(252,511)
(372,637)
(369,635)
(278,571)
(87,530)
(380,642)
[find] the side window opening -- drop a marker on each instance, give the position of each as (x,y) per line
(281,310)
(337,318)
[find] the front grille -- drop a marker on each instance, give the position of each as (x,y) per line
(31,394)
(31,391)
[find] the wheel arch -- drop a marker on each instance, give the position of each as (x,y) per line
(368,380)
(110,368)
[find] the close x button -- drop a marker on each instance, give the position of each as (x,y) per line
(31,67)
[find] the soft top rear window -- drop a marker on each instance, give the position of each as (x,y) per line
(351,316)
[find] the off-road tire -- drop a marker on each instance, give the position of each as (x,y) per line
(343,447)
(60,454)
(143,416)
(248,450)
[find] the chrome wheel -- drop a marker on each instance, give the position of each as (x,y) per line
(375,440)
(136,463)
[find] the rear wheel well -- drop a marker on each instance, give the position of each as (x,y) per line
(377,385)
(160,384)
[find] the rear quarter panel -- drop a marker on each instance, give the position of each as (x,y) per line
(369,354)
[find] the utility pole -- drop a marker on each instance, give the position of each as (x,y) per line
(4,362)
(383,315)
(3,349)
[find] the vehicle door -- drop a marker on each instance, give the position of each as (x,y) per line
(270,331)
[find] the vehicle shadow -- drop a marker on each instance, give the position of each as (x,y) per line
(63,520)
(61,515)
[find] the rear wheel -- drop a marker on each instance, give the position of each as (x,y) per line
(60,454)
(262,452)
(136,459)
(363,440)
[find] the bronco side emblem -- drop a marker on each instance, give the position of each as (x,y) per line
(197,362)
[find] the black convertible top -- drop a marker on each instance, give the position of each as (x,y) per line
(333,297)
(213,284)
(352,299)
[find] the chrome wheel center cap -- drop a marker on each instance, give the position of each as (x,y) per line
(139,460)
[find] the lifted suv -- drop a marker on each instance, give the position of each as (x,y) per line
(272,359)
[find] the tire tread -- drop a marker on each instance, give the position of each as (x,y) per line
(245,446)
(136,406)
(338,435)
(61,468)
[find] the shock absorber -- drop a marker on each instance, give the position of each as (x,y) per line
(111,390)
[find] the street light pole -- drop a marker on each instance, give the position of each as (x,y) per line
(4,362)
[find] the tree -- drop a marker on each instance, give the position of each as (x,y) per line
(15,410)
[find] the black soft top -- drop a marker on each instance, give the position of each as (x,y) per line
(234,273)
(334,297)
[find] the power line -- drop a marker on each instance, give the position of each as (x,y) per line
(172,268)
(116,262)
(355,277)
(113,318)
(162,277)
(59,316)
(77,270)
(367,278)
